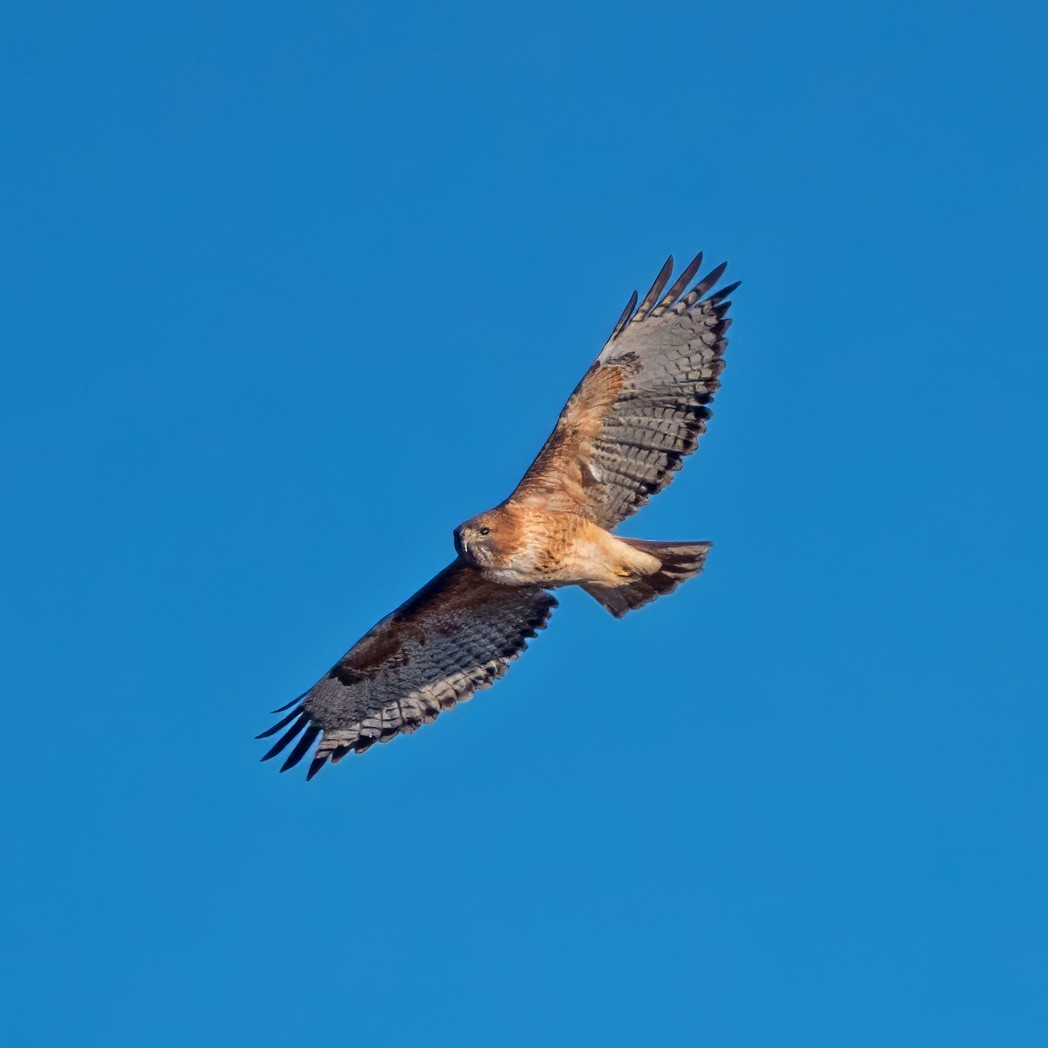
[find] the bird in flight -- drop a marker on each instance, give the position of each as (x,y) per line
(638,411)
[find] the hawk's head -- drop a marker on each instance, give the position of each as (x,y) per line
(476,540)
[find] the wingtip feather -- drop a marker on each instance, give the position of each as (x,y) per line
(287,706)
(656,288)
(301,746)
(680,285)
(279,724)
(709,280)
(283,741)
(723,293)
(627,314)
(316,764)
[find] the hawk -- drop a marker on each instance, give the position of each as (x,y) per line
(638,411)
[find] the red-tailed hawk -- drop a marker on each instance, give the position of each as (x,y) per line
(636,413)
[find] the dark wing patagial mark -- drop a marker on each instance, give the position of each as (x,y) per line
(458,634)
(642,406)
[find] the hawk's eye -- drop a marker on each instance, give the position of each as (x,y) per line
(485,531)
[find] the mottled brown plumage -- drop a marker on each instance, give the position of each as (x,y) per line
(638,411)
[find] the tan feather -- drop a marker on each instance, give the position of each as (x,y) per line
(640,409)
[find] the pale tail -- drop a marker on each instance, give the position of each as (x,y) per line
(680,561)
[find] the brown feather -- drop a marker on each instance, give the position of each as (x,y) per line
(639,410)
(458,634)
(656,289)
(627,315)
(679,286)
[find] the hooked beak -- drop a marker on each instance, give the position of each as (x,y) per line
(461,546)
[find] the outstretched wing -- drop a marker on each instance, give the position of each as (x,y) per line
(457,634)
(641,407)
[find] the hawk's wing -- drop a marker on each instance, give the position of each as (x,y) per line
(641,407)
(457,634)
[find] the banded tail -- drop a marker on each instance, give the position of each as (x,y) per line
(678,561)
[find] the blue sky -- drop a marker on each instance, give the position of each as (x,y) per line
(290,291)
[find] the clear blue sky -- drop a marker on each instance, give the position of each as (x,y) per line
(291,290)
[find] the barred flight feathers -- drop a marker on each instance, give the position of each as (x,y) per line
(638,411)
(458,634)
(642,406)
